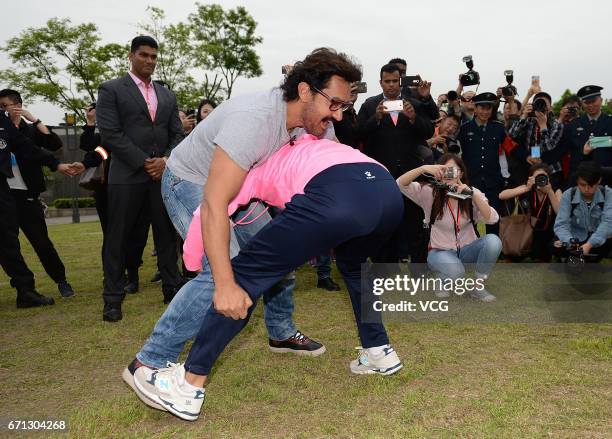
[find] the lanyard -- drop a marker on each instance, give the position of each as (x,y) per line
(535,204)
(456,222)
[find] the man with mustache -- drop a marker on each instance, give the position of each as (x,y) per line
(208,168)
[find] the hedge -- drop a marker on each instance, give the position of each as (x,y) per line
(66,203)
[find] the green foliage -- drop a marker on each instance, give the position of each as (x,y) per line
(66,203)
(62,63)
(225,41)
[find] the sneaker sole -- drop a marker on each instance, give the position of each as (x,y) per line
(166,405)
(387,372)
(315,353)
(129,380)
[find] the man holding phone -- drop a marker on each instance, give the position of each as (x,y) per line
(587,136)
(538,134)
(394,134)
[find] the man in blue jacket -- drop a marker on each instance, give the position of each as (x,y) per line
(585,214)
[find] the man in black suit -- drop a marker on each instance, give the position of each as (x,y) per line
(27,185)
(396,139)
(138,121)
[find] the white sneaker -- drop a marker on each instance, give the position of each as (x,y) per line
(164,387)
(442,294)
(387,363)
(483,295)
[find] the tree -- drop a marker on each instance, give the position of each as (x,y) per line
(225,42)
(62,63)
(176,60)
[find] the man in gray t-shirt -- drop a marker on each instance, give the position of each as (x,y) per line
(209,167)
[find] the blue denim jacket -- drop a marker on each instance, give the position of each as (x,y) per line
(584,220)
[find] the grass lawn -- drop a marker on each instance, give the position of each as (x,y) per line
(459,380)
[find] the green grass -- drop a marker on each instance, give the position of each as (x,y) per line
(459,380)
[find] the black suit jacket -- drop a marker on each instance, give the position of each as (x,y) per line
(30,169)
(129,133)
(395,146)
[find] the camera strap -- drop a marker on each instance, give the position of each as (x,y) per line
(456,222)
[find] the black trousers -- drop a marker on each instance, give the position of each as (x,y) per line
(11,260)
(136,242)
(128,204)
(31,217)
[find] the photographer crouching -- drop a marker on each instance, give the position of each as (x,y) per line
(452,208)
(584,221)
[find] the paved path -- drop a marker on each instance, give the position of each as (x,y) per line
(68,219)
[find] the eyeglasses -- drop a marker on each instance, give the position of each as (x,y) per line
(335,104)
(465,99)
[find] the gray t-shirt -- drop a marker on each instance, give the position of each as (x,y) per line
(249,128)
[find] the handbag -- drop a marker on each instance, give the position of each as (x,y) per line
(516,232)
(93,178)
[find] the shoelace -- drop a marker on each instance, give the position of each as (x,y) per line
(174,369)
(299,337)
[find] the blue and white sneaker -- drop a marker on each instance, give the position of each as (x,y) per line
(166,387)
(386,363)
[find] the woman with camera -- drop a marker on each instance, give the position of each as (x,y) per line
(538,197)
(452,208)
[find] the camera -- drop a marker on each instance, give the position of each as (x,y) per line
(451,172)
(409,81)
(452,145)
(572,111)
(539,105)
(471,77)
(509,90)
(541,180)
(361,87)
(452,96)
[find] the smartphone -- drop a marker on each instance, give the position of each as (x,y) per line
(600,142)
(410,81)
(286,69)
(535,80)
(397,105)
(362,87)
(535,152)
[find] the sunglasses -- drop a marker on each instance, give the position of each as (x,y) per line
(465,99)
(335,104)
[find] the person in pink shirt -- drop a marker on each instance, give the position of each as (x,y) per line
(453,241)
(333,197)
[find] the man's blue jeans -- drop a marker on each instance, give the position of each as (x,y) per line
(182,319)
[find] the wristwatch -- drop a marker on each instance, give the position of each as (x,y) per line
(36,122)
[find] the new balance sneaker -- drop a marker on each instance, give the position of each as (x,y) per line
(298,344)
(386,363)
(483,295)
(128,377)
(167,388)
(65,289)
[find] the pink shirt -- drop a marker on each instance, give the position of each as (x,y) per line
(148,93)
(285,174)
(443,230)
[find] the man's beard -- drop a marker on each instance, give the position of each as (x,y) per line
(315,125)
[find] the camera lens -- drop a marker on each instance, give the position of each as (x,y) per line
(541,180)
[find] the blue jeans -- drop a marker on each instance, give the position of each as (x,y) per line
(484,252)
(182,319)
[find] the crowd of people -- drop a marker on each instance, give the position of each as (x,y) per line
(262,183)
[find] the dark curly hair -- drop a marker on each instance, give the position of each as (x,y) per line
(317,69)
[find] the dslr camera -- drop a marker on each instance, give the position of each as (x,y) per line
(509,90)
(539,105)
(541,180)
(471,77)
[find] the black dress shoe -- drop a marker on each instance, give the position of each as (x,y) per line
(112,313)
(328,284)
(156,278)
(31,299)
(169,294)
(131,288)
